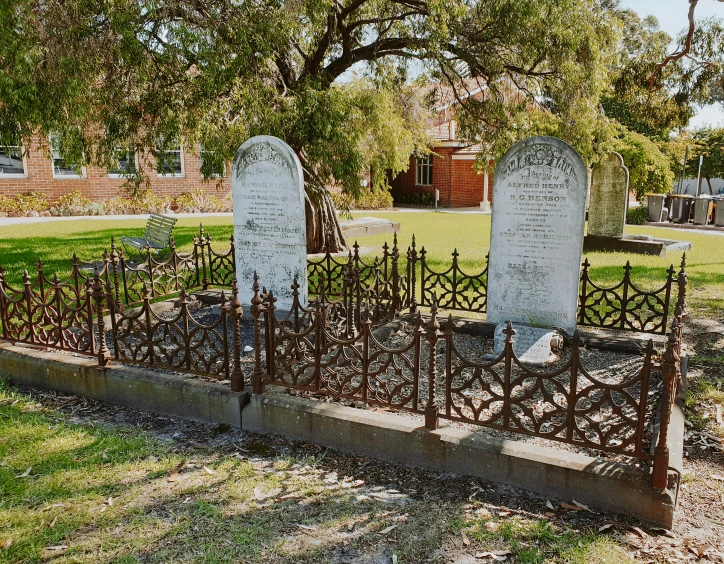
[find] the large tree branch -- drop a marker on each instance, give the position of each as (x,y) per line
(683,51)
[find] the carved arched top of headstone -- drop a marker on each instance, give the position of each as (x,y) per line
(542,151)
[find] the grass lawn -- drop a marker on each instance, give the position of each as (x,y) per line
(78,488)
(439,233)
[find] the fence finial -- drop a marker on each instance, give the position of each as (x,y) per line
(509,332)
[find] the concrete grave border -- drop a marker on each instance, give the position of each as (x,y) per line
(604,485)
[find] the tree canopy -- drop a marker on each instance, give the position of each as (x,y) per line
(141,74)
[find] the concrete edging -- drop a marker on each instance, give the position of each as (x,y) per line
(128,386)
(605,485)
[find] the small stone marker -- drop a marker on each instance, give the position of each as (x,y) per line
(539,190)
(270,234)
(532,345)
(609,197)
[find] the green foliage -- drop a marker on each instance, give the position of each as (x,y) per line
(709,143)
(649,168)
(199,200)
(367,200)
(116,75)
(423,199)
(637,215)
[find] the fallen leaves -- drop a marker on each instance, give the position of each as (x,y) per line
(6,544)
(106,504)
(388,530)
(173,477)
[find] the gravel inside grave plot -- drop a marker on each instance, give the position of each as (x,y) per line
(608,367)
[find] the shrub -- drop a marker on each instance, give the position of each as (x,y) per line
(637,215)
(368,200)
(418,199)
(31,201)
(72,204)
(8,205)
(199,200)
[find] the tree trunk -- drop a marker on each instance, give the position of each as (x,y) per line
(323,229)
(324,233)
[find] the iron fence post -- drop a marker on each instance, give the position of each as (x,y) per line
(202,244)
(27,290)
(184,307)
(3,306)
(667,297)
(582,296)
(573,386)
(225,314)
(412,274)
(98,295)
(114,261)
(423,266)
(454,280)
(643,397)
(670,371)
(509,333)
(432,335)
(624,297)
(257,378)
(448,363)
(237,376)
(146,308)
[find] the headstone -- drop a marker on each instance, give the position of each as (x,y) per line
(532,345)
(539,191)
(609,197)
(270,235)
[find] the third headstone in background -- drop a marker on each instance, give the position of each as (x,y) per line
(270,236)
(539,190)
(609,197)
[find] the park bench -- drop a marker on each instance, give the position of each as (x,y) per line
(157,236)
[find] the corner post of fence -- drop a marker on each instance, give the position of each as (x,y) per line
(114,266)
(682,282)
(202,245)
(237,375)
(357,288)
(432,334)
(412,275)
(174,263)
(573,385)
(624,297)
(319,318)
(211,259)
(106,268)
(509,333)
(232,252)
(98,296)
(347,300)
(584,291)
(643,396)
(670,371)
(122,261)
(355,254)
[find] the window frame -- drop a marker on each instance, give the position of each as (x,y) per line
(23,174)
(135,165)
(201,162)
(423,168)
(180,151)
(81,174)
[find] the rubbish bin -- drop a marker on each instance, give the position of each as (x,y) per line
(718,216)
(656,207)
(702,206)
(681,207)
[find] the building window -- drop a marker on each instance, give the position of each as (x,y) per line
(11,161)
(424,171)
(169,162)
(61,167)
(127,164)
(217,169)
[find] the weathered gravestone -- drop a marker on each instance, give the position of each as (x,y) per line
(267,187)
(532,345)
(609,197)
(539,195)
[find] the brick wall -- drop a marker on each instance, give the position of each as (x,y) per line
(98,185)
(456,179)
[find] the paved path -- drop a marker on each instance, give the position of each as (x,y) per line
(26,220)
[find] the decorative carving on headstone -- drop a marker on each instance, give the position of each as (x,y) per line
(267,187)
(609,197)
(539,190)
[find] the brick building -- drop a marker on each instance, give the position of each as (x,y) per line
(36,171)
(451,168)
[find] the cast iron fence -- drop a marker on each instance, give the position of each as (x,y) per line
(403,281)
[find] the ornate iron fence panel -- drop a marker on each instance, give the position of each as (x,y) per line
(175,342)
